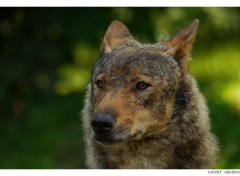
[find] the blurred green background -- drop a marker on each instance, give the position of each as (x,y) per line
(46,57)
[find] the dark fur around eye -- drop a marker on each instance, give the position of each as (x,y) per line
(140,86)
(100,84)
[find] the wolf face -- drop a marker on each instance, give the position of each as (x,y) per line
(143,109)
(134,86)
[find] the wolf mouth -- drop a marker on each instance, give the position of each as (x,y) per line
(118,136)
(112,138)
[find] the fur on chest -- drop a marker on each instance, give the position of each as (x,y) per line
(134,155)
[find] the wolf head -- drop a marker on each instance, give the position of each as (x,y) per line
(134,85)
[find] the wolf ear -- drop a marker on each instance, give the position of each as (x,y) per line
(116,36)
(179,46)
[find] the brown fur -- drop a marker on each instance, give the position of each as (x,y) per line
(165,125)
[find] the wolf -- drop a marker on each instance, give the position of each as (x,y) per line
(143,109)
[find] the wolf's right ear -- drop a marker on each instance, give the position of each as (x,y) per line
(116,36)
(180,45)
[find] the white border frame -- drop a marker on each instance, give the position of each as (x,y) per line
(122,3)
(139,172)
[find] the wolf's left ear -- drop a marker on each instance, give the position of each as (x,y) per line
(116,36)
(179,46)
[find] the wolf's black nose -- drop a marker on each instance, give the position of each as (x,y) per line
(102,123)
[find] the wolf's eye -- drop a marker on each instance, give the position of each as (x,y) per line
(141,86)
(100,84)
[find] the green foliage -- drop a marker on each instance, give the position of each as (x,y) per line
(46,58)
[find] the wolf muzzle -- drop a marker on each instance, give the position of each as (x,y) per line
(102,123)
